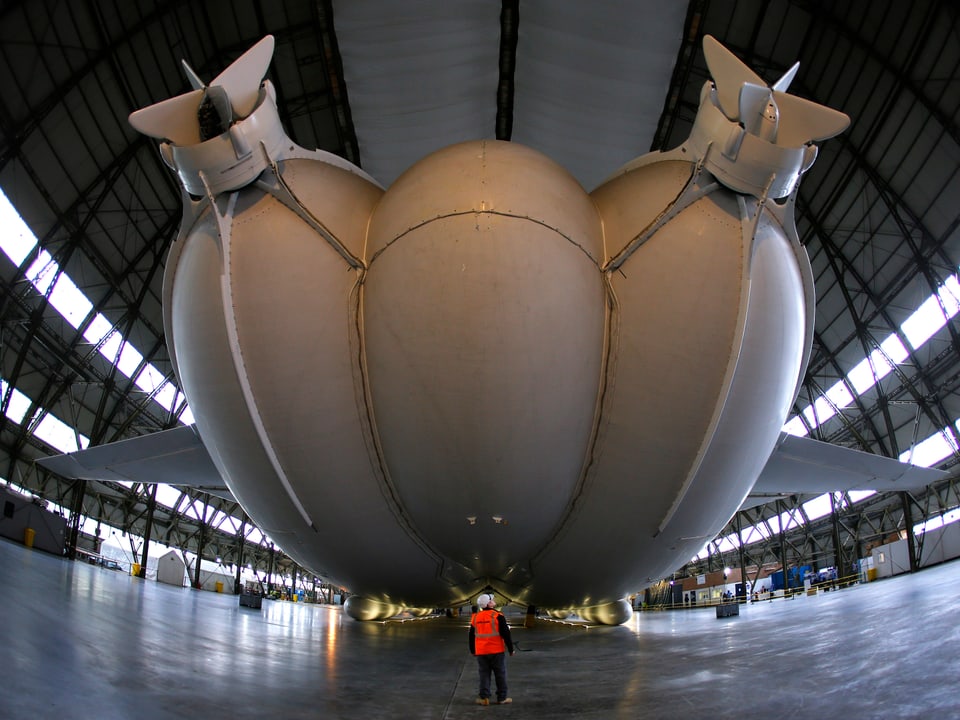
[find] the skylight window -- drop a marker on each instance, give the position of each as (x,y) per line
(784,522)
(818,507)
(729,543)
(930,317)
(796,427)
(223,522)
(58,434)
(129,359)
(255,536)
(839,395)
(861,377)
(97,330)
(110,347)
(819,412)
(167,396)
(937,522)
(893,349)
(931,451)
(68,299)
(168,496)
(19,404)
(41,272)
(755,533)
(191,511)
(17,241)
(149,379)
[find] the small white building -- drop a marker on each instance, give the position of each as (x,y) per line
(171,570)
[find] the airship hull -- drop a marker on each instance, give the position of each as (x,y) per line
(483,399)
(258,303)
(484,377)
(484,321)
(708,344)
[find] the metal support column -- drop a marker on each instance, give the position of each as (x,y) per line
(837,544)
(201,540)
(270,570)
(908,522)
(76,510)
(241,543)
(148,530)
(743,557)
(783,548)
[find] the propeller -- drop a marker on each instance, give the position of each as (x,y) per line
(768,112)
(233,93)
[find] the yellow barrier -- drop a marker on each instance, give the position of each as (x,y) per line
(28,535)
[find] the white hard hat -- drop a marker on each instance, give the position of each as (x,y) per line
(484,600)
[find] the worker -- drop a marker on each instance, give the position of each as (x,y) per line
(490,641)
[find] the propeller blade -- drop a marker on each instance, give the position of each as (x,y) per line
(174,119)
(242,78)
(803,121)
(729,75)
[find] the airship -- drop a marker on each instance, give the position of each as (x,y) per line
(484,377)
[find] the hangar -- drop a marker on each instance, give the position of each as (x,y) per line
(84,358)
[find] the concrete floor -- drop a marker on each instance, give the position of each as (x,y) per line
(84,642)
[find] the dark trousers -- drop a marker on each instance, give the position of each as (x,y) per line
(497,664)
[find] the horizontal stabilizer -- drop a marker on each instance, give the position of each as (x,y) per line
(174,457)
(803,466)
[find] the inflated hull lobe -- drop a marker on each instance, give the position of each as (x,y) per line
(485,374)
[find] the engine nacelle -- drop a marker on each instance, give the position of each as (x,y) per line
(419,612)
(361,608)
(615,613)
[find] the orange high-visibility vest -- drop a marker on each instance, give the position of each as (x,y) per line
(486,638)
